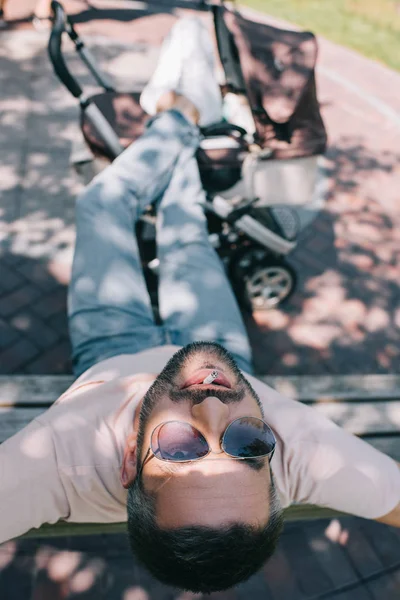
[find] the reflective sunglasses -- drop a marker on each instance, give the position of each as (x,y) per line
(177,441)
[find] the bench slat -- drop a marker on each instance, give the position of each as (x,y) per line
(335,388)
(32,389)
(361,419)
(357,418)
(37,389)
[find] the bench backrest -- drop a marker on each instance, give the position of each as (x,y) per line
(367,406)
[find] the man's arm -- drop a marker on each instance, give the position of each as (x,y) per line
(31,492)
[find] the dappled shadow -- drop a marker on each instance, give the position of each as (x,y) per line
(33,320)
(102,567)
(39,125)
(344,315)
(343,318)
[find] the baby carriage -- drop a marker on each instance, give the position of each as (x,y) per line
(252,178)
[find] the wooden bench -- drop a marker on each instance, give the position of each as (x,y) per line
(367,406)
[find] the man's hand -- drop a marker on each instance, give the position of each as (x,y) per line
(392,518)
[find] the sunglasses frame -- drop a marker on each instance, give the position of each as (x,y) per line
(269,455)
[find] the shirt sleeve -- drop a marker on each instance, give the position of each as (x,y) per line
(340,471)
(318,462)
(31,491)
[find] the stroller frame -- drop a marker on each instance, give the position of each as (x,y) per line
(250,249)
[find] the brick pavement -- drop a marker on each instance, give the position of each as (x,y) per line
(358,559)
(344,317)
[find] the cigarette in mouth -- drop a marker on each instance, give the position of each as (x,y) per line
(211,377)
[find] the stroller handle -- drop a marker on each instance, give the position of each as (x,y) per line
(54,48)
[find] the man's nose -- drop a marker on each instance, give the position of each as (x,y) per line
(212,415)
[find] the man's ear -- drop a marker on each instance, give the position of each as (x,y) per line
(128,468)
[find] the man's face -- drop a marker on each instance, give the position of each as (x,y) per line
(217,489)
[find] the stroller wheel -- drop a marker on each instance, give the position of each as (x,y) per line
(262,281)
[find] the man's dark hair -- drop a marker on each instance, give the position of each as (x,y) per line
(198,558)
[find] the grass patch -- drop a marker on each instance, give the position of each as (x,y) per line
(372,27)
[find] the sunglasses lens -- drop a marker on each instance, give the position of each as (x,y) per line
(179,442)
(248,437)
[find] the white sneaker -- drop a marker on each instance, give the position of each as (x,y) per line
(187,66)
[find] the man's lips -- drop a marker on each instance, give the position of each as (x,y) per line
(199,377)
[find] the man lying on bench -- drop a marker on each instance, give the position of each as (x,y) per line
(165,427)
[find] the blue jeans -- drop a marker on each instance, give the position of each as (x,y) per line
(108,303)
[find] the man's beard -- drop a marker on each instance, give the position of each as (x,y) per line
(165,384)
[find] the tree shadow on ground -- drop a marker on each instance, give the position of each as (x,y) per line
(33,317)
(342,319)
(344,315)
(83,568)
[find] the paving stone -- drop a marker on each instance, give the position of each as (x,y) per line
(39,121)
(16,580)
(59,322)
(12,260)
(86,582)
(49,112)
(15,356)
(358,592)
(9,279)
(255,587)
(8,334)
(280,577)
(331,555)
(384,540)
(55,360)
(362,553)
(51,303)
(319,244)
(37,274)
(27,324)
(113,545)
(387,586)
(312,263)
(312,580)
(10,303)
(125,578)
